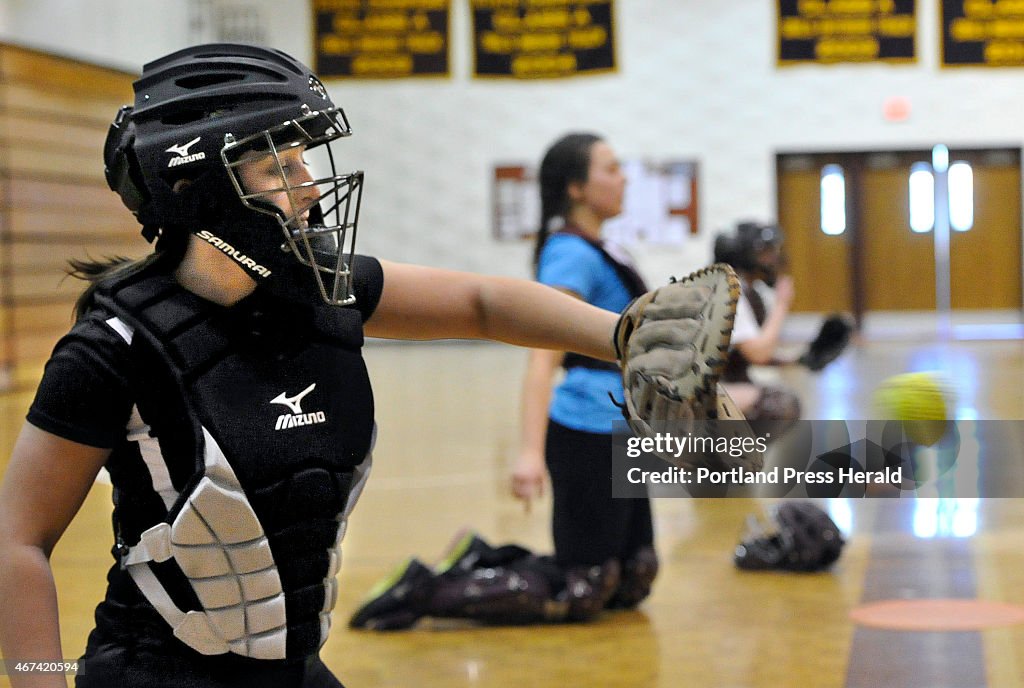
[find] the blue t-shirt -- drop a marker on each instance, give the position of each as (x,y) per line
(581,401)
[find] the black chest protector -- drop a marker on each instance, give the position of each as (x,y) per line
(271,405)
(737,368)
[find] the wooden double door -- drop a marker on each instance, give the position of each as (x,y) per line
(878,262)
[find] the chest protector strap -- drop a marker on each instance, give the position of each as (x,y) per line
(212,532)
(630,279)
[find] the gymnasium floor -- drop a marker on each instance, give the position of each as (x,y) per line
(447,415)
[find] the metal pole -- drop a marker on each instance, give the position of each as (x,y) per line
(943,297)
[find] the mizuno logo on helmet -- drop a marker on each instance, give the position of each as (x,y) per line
(242,259)
(296,417)
(181,150)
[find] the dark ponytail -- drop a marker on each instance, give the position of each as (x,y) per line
(565,162)
(169,252)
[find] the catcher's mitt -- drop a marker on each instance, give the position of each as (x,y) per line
(672,344)
(832,339)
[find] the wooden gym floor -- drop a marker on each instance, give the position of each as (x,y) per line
(448,423)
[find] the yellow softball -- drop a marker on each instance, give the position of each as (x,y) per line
(921,400)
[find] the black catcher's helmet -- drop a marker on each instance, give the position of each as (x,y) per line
(755,236)
(203,111)
(798,536)
(742,248)
(728,250)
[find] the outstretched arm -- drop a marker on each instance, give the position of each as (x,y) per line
(529,473)
(429,303)
(47,479)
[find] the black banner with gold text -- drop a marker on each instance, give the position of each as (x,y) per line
(982,33)
(540,39)
(381,39)
(843,31)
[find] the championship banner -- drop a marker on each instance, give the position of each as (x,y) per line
(982,33)
(541,39)
(381,39)
(843,31)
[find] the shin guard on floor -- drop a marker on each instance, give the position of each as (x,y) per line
(500,585)
(494,585)
(398,601)
(638,574)
(775,403)
(774,413)
(589,588)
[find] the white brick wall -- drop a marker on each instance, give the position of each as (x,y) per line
(697,79)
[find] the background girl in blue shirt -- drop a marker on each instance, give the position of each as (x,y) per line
(568,430)
(604,555)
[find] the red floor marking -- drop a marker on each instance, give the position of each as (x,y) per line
(937,615)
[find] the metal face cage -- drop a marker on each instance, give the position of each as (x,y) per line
(318,210)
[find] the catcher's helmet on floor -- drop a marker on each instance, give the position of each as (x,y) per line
(798,536)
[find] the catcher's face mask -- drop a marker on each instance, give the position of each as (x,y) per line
(289,172)
(769,264)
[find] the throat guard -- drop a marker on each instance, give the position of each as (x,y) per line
(279,456)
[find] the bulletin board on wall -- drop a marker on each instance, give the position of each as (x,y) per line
(368,39)
(845,31)
(660,206)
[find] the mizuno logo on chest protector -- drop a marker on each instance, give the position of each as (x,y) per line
(296,417)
